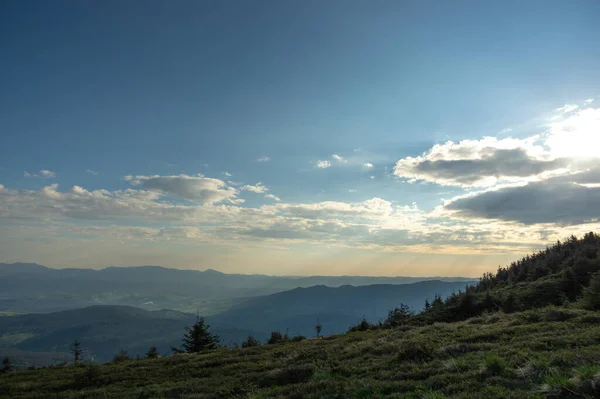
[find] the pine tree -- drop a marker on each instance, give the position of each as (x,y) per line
(275,338)
(6,365)
(121,356)
(197,338)
(398,315)
(591,295)
(76,351)
(318,328)
(152,353)
(250,342)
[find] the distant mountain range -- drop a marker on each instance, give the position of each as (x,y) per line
(336,308)
(29,287)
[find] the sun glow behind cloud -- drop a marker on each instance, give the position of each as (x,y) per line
(517,194)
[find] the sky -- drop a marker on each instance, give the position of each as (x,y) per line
(412,138)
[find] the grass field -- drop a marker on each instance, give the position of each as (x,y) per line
(543,353)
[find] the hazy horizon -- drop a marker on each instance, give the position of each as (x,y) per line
(297,138)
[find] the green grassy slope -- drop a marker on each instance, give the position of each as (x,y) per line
(547,352)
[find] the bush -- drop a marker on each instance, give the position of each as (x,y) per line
(250,342)
(558,315)
(152,353)
(88,378)
(494,365)
(121,356)
(277,337)
(416,351)
(288,375)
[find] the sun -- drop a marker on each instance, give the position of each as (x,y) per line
(577,136)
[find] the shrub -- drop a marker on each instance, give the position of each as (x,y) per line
(494,365)
(152,353)
(89,377)
(288,375)
(558,315)
(416,351)
(250,342)
(121,356)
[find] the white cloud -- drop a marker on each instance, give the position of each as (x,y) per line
(589,100)
(44,173)
(273,197)
(323,164)
(91,172)
(351,191)
(368,165)
(227,174)
(371,177)
(338,158)
(264,158)
(482,163)
(258,188)
(565,109)
(196,188)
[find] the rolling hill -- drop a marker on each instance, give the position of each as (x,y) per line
(103,331)
(27,288)
(336,308)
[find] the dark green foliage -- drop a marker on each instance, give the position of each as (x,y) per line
(276,337)
(76,351)
(197,338)
(121,356)
(152,353)
(288,375)
(89,377)
(6,365)
(318,328)
(250,342)
(362,326)
(591,296)
(494,365)
(555,276)
(398,316)
(298,338)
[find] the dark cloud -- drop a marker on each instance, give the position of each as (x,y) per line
(552,201)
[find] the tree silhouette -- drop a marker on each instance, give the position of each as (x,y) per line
(591,295)
(275,338)
(152,353)
(6,365)
(318,328)
(121,356)
(250,341)
(398,316)
(76,351)
(197,338)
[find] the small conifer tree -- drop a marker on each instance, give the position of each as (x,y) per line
(6,365)
(591,295)
(318,328)
(250,342)
(76,351)
(197,338)
(152,353)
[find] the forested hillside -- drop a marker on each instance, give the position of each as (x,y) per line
(557,275)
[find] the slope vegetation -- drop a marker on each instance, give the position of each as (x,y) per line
(550,352)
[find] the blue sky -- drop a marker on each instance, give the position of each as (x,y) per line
(145,106)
